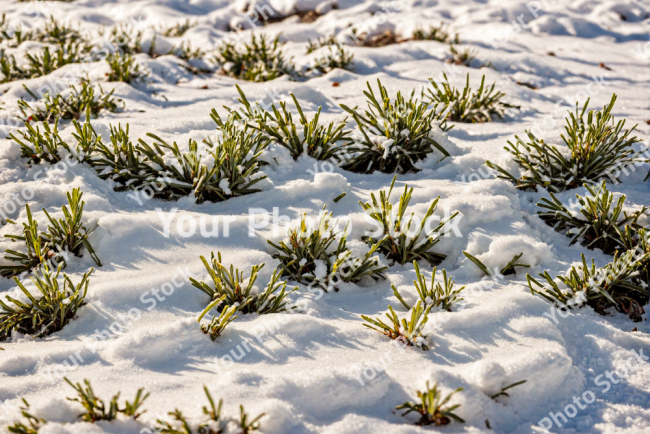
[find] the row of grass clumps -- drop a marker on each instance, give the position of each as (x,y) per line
(432,408)
(392,135)
(96,410)
(233,169)
(260,58)
(598,149)
(458,54)
(121,44)
(231,292)
(69,105)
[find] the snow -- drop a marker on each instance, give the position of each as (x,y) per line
(319,370)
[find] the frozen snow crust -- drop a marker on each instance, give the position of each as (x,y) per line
(321,371)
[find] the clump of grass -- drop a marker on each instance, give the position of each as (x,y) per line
(596,148)
(126,38)
(13,33)
(178,29)
(215,423)
(87,140)
(335,57)
(47,312)
(309,256)
(71,106)
(461,57)
(63,235)
(439,296)
(241,292)
(69,233)
(320,42)
(185,51)
(53,32)
(33,424)
(38,249)
(236,151)
(350,268)
(468,106)
(124,68)
(10,70)
(59,33)
(247,425)
(402,238)
(441,33)
(616,285)
(409,332)
(39,146)
(177,178)
(45,62)
(432,408)
(505,271)
(310,137)
(596,221)
(95,409)
(260,59)
(120,160)
(393,135)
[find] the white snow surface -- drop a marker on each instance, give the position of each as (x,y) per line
(321,371)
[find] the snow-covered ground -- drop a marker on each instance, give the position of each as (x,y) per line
(321,371)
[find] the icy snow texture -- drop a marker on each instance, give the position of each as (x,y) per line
(321,371)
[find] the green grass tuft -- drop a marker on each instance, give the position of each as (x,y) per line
(308,248)
(431,407)
(393,135)
(95,409)
(436,296)
(473,107)
(596,220)
(408,332)
(70,107)
(441,33)
(64,235)
(260,59)
(596,148)
(336,56)
(402,238)
(241,292)
(124,68)
(215,423)
(617,285)
(309,137)
(47,312)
